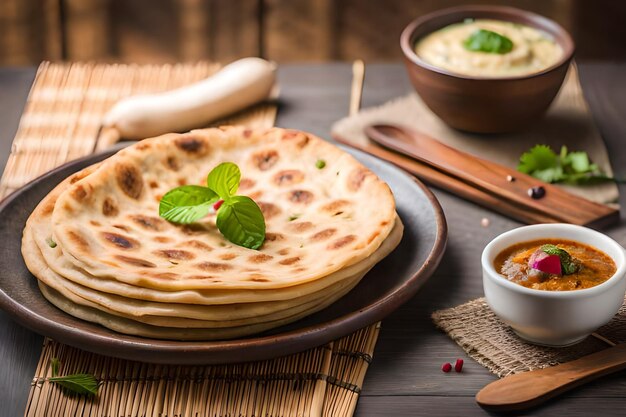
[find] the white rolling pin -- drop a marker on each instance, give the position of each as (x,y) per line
(235,87)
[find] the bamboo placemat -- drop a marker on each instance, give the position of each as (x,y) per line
(61,122)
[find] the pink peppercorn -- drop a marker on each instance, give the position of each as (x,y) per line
(458,366)
(218,204)
(446,367)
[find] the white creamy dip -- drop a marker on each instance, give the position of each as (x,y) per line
(533,50)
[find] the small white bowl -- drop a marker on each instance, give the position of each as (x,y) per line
(554,318)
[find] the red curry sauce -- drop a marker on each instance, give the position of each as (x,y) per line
(595,266)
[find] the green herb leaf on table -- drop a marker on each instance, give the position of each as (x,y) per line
(84,384)
(239,218)
(224,179)
(187,204)
(241,221)
(483,40)
(567,167)
(568,265)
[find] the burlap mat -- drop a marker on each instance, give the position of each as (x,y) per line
(568,122)
(61,122)
(493,344)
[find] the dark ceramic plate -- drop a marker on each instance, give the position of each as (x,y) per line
(391,283)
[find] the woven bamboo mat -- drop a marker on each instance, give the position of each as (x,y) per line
(61,122)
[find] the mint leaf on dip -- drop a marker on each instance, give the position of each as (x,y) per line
(483,40)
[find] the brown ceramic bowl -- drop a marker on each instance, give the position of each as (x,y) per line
(485,104)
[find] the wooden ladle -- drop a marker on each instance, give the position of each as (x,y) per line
(529,389)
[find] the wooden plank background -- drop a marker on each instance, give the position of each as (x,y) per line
(159,31)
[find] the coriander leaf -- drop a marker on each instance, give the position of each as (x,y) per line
(224,179)
(549,174)
(539,157)
(589,179)
(186,204)
(77,383)
(567,167)
(553,250)
(241,221)
(579,161)
(487,41)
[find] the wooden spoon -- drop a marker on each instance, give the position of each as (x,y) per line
(492,177)
(529,389)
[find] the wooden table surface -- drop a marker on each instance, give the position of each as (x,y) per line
(405,377)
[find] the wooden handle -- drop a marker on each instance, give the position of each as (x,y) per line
(446,182)
(528,389)
(492,177)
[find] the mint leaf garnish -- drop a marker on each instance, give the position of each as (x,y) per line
(567,262)
(483,40)
(84,384)
(224,179)
(567,167)
(239,218)
(187,204)
(241,221)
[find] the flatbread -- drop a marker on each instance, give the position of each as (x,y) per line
(200,315)
(127,326)
(39,228)
(118,306)
(193,316)
(107,223)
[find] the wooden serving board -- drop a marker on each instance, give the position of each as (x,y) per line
(564,208)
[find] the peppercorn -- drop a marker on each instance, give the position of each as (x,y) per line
(536,192)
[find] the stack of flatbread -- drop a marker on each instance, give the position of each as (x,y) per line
(101,252)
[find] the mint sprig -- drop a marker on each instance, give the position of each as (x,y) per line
(239,218)
(483,40)
(573,168)
(568,265)
(242,222)
(83,384)
(187,204)
(224,179)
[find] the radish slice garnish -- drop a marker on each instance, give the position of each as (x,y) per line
(541,261)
